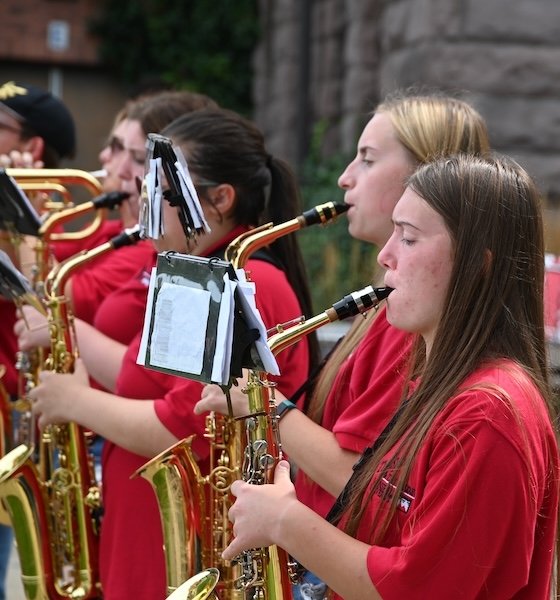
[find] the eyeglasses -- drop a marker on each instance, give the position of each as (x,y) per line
(114,144)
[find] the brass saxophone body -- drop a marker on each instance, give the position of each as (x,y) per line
(49,488)
(30,363)
(201,515)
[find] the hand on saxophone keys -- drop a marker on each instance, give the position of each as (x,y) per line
(54,399)
(31,329)
(259,511)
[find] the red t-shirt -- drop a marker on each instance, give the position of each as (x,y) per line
(552,298)
(121,314)
(8,345)
(479,512)
(364,397)
(132,560)
(94,281)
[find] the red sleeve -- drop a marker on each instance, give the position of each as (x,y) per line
(8,345)
(67,248)
(369,387)
(175,411)
(92,283)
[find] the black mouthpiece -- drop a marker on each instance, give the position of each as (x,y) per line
(323,213)
(128,237)
(360,301)
(110,199)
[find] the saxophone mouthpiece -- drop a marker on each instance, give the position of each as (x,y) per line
(127,237)
(110,199)
(360,301)
(323,213)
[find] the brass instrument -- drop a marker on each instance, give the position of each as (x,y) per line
(266,572)
(240,250)
(56,181)
(31,362)
(194,508)
(53,502)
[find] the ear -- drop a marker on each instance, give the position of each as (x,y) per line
(35,146)
(223,198)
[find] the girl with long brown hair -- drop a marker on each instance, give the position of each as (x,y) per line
(459,496)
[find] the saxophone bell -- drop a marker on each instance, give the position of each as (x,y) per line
(199,587)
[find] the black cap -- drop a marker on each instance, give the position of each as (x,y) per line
(42,112)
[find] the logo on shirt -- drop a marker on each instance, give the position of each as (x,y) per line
(144,278)
(386,491)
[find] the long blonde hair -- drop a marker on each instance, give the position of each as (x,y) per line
(428,126)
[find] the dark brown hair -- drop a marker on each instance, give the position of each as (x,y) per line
(493,307)
(222,146)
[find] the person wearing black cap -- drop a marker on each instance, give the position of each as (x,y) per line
(36,130)
(34,122)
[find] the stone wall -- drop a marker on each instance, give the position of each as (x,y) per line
(332,60)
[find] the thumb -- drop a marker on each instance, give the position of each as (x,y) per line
(282,472)
(80,369)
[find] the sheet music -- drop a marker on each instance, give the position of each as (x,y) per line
(253,315)
(179,332)
(16,210)
(224,340)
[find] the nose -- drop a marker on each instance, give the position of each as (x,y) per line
(124,168)
(105,155)
(346,180)
(386,257)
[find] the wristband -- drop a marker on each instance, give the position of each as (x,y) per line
(284,407)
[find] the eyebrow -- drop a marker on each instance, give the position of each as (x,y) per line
(365,149)
(405,224)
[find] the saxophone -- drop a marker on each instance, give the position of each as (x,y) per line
(53,501)
(193,507)
(30,363)
(267,573)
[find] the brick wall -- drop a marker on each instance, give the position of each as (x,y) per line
(502,55)
(24,26)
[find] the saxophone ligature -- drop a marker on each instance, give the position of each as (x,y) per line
(49,488)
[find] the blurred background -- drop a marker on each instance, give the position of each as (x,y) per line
(308,72)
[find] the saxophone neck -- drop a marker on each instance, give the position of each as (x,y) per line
(57,278)
(353,304)
(240,250)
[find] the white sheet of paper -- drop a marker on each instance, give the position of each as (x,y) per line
(141,358)
(192,197)
(179,329)
(224,335)
(254,319)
